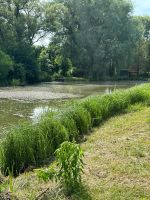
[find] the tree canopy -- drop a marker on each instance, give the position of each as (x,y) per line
(88,38)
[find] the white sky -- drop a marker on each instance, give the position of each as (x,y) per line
(142,7)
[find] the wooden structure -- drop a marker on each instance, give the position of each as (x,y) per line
(132,72)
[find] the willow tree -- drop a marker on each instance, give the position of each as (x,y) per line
(98,35)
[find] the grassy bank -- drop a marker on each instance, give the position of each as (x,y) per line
(116,163)
(34,145)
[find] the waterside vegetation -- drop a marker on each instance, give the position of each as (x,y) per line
(116,164)
(35,144)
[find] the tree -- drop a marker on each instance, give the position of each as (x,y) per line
(25,19)
(90,38)
(97,35)
(22,23)
(145,20)
(141,53)
(46,65)
(6,65)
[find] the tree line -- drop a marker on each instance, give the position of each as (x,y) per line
(93,39)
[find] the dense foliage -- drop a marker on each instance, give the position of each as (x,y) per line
(92,39)
(35,144)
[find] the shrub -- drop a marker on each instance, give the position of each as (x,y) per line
(15,82)
(69,157)
(69,167)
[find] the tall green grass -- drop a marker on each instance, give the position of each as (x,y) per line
(33,144)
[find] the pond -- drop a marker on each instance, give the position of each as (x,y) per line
(18,104)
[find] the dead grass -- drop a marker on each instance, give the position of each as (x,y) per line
(117,163)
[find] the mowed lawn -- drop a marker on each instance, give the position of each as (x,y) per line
(117,157)
(117,163)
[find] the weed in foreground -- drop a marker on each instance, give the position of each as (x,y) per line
(68,167)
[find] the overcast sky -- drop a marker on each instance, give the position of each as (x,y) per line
(142,7)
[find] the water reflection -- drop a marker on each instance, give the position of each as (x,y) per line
(108,90)
(14,112)
(39,111)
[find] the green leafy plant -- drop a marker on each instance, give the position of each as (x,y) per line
(69,157)
(69,166)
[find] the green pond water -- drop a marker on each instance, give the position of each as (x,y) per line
(19,104)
